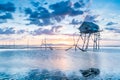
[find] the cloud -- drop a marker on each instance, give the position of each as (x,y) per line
(110,29)
(115,30)
(64,8)
(7,31)
(6,11)
(35,4)
(3,21)
(40,31)
(7,7)
(91,18)
(22,31)
(6,16)
(111,23)
(41,13)
(75,22)
(52,31)
(55,13)
(11,30)
(75,12)
(28,10)
(79,4)
(61,8)
(40,16)
(39,22)
(56,29)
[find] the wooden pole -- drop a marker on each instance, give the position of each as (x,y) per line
(84,41)
(88,38)
(45,44)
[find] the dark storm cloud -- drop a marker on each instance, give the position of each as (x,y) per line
(7,7)
(7,31)
(115,30)
(110,23)
(57,12)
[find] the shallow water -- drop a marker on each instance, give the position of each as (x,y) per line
(21,61)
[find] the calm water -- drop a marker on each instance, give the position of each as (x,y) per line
(21,61)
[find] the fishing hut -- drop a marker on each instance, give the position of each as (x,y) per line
(89,30)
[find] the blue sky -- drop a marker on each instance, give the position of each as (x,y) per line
(109,14)
(32,18)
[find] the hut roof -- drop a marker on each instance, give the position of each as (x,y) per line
(88,27)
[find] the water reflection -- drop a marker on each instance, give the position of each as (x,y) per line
(80,60)
(58,59)
(21,61)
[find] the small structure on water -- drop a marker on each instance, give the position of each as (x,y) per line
(45,45)
(87,30)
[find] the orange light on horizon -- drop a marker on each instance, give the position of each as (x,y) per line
(61,40)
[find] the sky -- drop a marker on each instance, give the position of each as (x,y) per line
(57,20)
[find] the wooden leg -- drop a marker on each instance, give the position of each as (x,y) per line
(84,41)
(87,41)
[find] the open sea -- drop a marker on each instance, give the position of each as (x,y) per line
(37,64)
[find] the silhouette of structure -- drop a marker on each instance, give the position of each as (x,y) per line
(87,30)
(45,45)
(75,46)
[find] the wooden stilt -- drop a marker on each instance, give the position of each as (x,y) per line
(88,38)
(75,45)
(45,44)
(94,41)
(84,41)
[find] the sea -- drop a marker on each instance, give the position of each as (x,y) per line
(58,64)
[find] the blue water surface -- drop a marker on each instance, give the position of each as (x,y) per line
(24,64)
